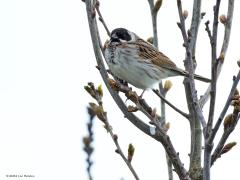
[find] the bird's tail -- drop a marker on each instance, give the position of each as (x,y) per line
(179,71)
(197,77)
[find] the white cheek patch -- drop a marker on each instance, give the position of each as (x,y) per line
(122,40)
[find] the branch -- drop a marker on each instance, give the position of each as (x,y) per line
(159,136)
(208,130)
(154,8)
(225,108)
(195,22)
(132,95)
(209,141)
(189,38)
(204,98)
(213,41)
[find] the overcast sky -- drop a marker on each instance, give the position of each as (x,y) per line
(46,58)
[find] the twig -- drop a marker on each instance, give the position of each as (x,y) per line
(119,150)
(98,110)
(204,98)
(208,130)
(170,104)
(140,103)
(213,41)
(154,12)
(218,150)
(208,30)
(225,108)
(101,17)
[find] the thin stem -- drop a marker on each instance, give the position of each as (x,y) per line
(170,104)
(101,17)
(120,152)
(213,41)
(98,110)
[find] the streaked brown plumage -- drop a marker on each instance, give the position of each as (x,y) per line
(138,62)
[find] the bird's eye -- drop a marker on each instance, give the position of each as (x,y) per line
(115,40)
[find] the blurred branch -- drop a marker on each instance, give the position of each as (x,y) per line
(87,141)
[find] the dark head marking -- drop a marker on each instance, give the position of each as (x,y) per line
(120,34)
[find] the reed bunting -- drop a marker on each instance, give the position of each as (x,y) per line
(136,61)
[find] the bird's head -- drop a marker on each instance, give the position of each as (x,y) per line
(122,35)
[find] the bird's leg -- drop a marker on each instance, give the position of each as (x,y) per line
(126,101)
(142,94)
(122,82)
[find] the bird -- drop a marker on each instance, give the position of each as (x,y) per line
(138,62)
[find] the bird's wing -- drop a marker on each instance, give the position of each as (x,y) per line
(147,51)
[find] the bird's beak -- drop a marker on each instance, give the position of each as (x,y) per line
(114,38)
